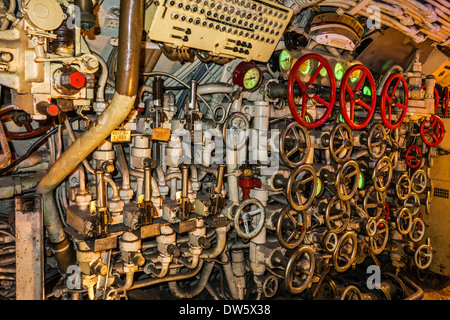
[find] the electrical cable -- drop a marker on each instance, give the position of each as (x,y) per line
(33,148)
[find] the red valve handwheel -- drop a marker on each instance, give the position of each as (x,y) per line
(293,78)
(413,157)
(445,102)
(436,98)
(435,131)
(389,101)
(355,96)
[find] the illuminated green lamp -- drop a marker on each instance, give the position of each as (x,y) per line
(362,181)
(319,187)
(338,71)
(367,91)
(285,60)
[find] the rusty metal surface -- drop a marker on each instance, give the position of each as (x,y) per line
(29,249)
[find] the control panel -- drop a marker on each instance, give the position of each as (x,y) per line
(247,29)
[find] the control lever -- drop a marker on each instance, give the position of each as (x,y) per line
(184,203)
(146,207)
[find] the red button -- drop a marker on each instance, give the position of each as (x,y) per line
(77,80)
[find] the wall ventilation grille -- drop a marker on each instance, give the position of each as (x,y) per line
(441,193)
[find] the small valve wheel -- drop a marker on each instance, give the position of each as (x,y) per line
(347,180)
(236,131)
(330,241)
(337,215)
(248,224)
(412,202)
(270,286)
(404,221)
(423,256)
(373,203)
(345,253)
(341,143)
(291,228)
(403,187)
(382,174)
(300,270)
(295,145)
(309,91)
(377,141)
(419,181)
(379,240)
(301,187)
(392,98)
(413,157)
(432,132)
(417,231)
(351,293)
(355,97)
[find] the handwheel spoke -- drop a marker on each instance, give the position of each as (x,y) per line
(300,83)
(315,75)
(321,101)
(361,82)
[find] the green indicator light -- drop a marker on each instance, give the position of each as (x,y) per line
(339,71)
(362,181)
(307,119)
(341,118)
(367,91)
(285,60)
(323,72)
(319,186)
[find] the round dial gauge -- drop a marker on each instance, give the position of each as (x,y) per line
(248,76)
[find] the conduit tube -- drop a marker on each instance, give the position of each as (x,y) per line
(130,34)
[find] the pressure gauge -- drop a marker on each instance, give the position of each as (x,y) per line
(248,76)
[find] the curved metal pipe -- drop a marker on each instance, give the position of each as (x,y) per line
(193,291)
(130,34)
(179,276)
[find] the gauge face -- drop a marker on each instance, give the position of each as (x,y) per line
(306,67)
(323,72)
(248,76)
(251,78)
(362,181)
(285,60)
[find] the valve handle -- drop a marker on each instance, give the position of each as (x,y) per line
(355,96)
(403,187)
(423,256)
(404,221)
(330,241)
(300,270)
(413,157)
(337,215)
(291,228)
(419,181)
(295,145)
(380,238)
(417,231)
(341,143)
(433,134)
(307,87)
(243,219)
(301,187)
(347,180)
(389,100)
(377,141)
(345,253)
